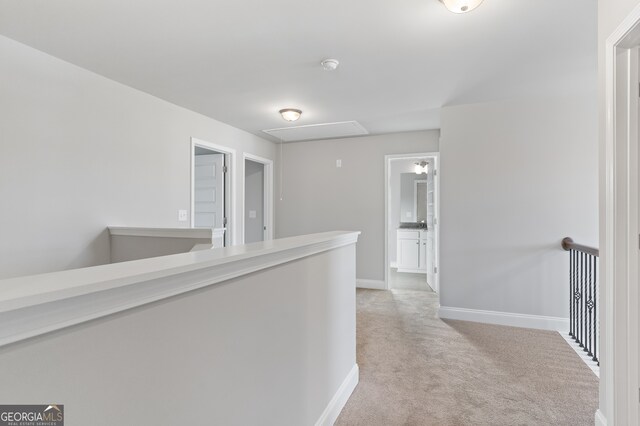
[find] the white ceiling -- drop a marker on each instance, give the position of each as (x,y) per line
(242,61)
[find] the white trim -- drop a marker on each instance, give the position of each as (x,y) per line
(505,318)
(337,403)
(268,193)
(436,223)
(160,232)
(387,214)
(600,419)
(581,353)
(38,304)
(230,183)
(619,254)
(370,284)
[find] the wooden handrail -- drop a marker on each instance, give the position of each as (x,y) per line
(568,244)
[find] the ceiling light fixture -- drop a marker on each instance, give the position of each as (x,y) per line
(421,167)
(330,64)
(290,114)
(461,6)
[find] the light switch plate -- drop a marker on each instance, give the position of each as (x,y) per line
(338,163)
(182,215)
(252,214)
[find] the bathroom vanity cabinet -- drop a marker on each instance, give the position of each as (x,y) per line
(413,246)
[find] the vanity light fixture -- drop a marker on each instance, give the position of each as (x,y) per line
(461,6)
(290,114)
(421,167)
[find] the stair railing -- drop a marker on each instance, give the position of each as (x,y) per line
(584,323)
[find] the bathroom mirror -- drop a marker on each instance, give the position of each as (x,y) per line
(413,197)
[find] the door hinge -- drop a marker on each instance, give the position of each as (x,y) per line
(435,172)
(435,269)
(224,221)
(225,169)
(435,220)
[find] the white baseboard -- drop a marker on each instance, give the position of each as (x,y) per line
(600,419)
(505,318)
(371,284)
(582,354)
(335,406)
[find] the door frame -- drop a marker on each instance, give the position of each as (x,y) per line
(230,185)
(619,402)
(387,192)
(268,193)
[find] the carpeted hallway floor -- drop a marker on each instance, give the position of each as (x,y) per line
(416,369)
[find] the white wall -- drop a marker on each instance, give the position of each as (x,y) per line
(318,196)
(516,177)
(79,152)
(124,248)
(260,349)
(254,201)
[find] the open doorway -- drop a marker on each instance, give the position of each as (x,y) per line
(211,190)
(257,201)
(411,223)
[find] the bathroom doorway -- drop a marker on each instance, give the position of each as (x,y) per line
(257,224)
(411,222)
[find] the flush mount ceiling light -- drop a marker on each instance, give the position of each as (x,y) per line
(330,64)
(461,6)
(290,114)
(421,167)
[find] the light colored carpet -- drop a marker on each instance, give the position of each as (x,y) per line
(416,369)
(408,281)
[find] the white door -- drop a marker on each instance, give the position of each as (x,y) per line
(636,167)
(429,249)
(209,194)
(424,258)
(431,227)
(409,254)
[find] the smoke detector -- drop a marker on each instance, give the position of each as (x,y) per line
(330,64)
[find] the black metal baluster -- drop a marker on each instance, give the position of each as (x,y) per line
(585,342)
(580,285)
(596,323)
(584,302)
(571,256)
(590,307)
(576,296)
